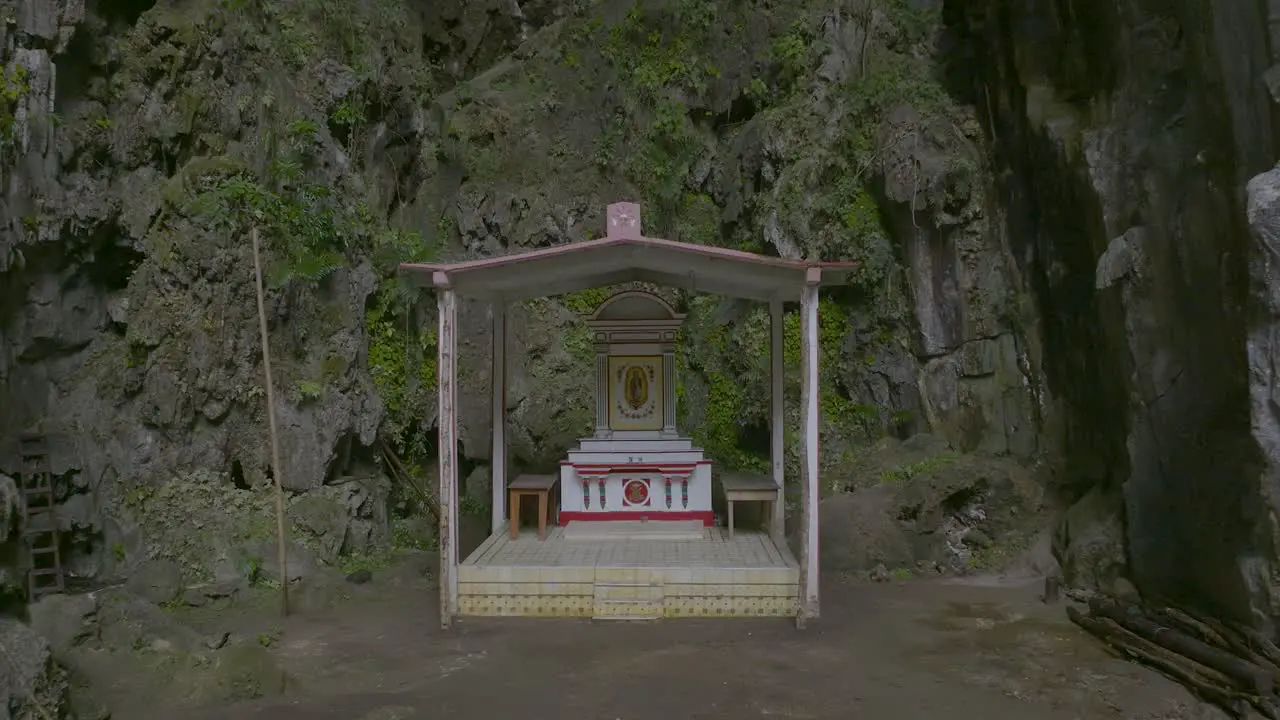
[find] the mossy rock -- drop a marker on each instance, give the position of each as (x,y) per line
(248,671)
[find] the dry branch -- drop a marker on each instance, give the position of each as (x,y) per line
(402,475)
(1205,682)
(1246,675)
(1222,636)
(271,423)
(1234,667)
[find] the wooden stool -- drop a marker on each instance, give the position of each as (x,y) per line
(540,485)
(739,487)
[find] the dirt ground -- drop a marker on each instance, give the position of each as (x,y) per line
(911,649)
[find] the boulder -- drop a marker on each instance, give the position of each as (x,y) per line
(32,686)
(129,622)
(245,671)
(10,508)
(478,487)
(917,504)
(11,574)
(325,519)
(201,595)
(300,561)
(858,532)
(318,592)
(157,580)
(65,621)
(1090,541)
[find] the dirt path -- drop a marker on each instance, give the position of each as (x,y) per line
(918,649)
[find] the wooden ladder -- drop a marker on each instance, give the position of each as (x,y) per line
(40,526)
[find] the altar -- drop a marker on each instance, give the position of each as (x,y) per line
(636,466)
(637,537)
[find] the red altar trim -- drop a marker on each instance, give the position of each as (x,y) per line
(596,468)
(707,517)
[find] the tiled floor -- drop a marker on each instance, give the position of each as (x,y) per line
(715,550)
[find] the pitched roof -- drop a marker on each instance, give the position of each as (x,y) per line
(626,255)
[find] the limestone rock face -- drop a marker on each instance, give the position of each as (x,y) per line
(148,139)
(1124,166)
(1061,258)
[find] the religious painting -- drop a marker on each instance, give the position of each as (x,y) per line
(635,392)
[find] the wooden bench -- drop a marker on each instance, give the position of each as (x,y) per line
(752,488)
(539,485)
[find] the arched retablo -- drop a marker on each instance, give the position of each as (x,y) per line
(635,305)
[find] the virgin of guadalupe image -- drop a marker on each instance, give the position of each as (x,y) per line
(635,387)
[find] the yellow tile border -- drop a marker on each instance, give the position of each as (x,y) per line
(585,606)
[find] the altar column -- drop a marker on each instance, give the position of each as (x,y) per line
(602,391)
(777,422)
(809,446)
(447,378)
(498,382)
(669,392)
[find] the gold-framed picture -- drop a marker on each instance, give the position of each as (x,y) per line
(635,392)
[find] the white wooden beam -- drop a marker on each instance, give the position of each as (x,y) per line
(447,374)
(811,391)
(498,380)
(777,421)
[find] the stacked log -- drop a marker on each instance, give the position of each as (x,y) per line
(1235,668)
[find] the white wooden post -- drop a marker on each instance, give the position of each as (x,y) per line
(446,372)
(777,422)
(809,447)
(498,375)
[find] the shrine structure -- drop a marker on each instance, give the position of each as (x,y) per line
(636,467)
(635,535)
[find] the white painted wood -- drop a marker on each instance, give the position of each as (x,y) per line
(498,375)
(809,452)
(777,419)
(515,284)
(669,394)
(446,372)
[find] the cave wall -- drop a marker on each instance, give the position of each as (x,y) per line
(1125,132)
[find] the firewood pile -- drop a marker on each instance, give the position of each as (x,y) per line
(1235,668)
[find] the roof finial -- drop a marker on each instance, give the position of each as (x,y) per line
(623,220)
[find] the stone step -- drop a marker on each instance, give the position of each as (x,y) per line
(628,601)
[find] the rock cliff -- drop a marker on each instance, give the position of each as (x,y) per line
(1048,203)
(148,137)
(1125,135)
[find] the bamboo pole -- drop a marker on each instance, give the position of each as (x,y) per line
(271,422)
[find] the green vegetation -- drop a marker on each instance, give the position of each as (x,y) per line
(585,302)
(733,362)
(14,85)
(793,54)
(402,361)
(666,94)
(306,228)
(928,466)
(657,49)
(373,560)
(309,390)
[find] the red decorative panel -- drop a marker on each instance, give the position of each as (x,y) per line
(636,492)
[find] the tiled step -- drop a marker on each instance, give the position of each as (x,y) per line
(627,530)
(628,601)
